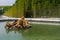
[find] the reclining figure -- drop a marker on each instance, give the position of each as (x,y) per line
(8,25)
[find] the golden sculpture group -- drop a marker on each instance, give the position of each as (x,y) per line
(18,24)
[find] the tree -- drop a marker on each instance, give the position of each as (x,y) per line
(1,11)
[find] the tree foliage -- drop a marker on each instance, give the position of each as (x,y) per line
(50,8)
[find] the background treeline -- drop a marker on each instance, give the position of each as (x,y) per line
(35,8)
(3,9)
(47,8)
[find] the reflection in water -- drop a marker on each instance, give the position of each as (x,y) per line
(20,33)
(17,31)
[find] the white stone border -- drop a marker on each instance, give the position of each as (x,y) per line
(33,19)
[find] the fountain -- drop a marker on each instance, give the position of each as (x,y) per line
(18,24)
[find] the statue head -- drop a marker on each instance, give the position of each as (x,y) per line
(22,17)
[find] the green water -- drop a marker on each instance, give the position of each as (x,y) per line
(37,32)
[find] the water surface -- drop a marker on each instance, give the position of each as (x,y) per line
(37,32)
